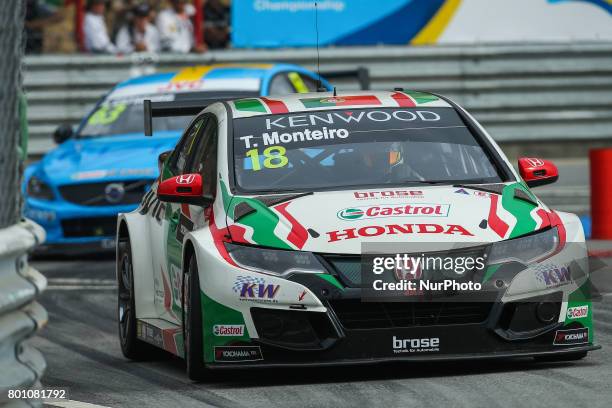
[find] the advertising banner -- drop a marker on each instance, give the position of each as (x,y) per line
(292,23)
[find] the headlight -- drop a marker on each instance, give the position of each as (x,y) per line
(273,261)
(525,250)
(39,189)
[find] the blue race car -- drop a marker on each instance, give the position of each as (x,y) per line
(104,168)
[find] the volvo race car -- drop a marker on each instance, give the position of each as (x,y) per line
(254,247)
(76,191)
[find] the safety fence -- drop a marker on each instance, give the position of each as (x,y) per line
(538,92)
(21,316)
(21,366)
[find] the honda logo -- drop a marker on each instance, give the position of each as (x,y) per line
(533,162)
(185,179)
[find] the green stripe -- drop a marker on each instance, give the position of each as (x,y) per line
(520,209)
(331,279)
(421,97)
(316,103)
(263,221)
(216,313)
(250,105)
(490,272)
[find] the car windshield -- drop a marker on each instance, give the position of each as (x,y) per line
(117,116)
(358,147)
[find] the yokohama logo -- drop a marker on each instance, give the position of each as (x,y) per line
(230,354)
(396,229)
(572,336)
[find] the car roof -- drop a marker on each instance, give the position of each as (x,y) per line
(248,107)
(202,78)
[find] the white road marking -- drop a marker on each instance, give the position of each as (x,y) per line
(80,287)
(81,284)
(74,404)
(81,281)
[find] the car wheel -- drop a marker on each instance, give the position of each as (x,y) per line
(579,355)
(192,323)
(131,346)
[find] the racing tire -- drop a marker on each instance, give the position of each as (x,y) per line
(579,355)
(192,324)
(131,346)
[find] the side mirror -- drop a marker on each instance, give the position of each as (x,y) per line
(62,133)
(537,172)
(161,159)
(183,189)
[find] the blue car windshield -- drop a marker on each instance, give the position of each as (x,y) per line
(118,116)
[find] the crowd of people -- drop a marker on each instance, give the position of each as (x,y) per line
(139,26)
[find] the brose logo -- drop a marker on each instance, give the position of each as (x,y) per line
(365,195)
(577,312)
(228,329)
(397,210)
(426,344)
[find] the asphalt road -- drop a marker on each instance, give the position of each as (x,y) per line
(83,354)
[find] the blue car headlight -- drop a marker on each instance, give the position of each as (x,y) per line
(39,189)
(526,250)
(273,261)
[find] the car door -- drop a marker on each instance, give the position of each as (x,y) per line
(164,219)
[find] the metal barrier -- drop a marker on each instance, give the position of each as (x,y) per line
(21,366)
(519,92)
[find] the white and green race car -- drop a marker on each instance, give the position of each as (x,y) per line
(250,250)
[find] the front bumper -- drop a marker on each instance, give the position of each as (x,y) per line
(72,228)
(334,337)
(412,358)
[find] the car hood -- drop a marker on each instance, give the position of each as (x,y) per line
(121,157)
(341,221)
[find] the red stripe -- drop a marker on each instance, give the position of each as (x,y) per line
(169,340)
(275,106)
(167,294)
(186,211)
(219,236)
(357,100)
(555,221)
(237,233)
(544,216)
(497,224)
(298,234)
(403,100)
(600,253)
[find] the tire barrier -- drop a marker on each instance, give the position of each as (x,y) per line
(21,316)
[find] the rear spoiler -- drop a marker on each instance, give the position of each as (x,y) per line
(186,107)
(361,74)
(191,107)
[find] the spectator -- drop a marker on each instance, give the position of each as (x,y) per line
(138,34)
(175,28)
(37,17)
(216,23)
(96,34)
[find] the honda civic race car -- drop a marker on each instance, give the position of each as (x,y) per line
(76,191)
(249,249)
